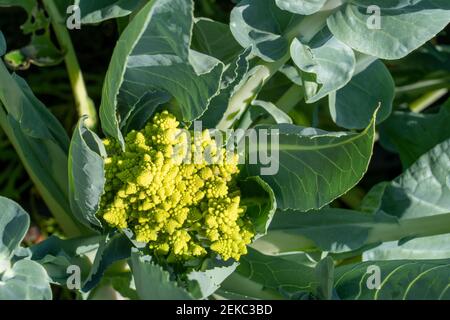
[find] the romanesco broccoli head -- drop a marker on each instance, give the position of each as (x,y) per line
(182,209)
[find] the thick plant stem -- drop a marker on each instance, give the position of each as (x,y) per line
(248,92)
(427,100)
(282,242)
(84,104)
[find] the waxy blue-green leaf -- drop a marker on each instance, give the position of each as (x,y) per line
(153,54)
(14,223)
(264,277)
(112,249)
(260,203)
(86,175)
(421,192)
(57,255)
(216,40)
(400,280)
(424,189)
(262,25)
(352,106)
(41,143)
(413,134)
(403,27)
(101,10)
(2,44)
(205,282)
(144,109)
(327,64)
(154,283)
(314,167)
(232,78)
(26,280)
(304,7)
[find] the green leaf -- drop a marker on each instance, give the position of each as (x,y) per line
(400,280)
(262,25)
(153,54)
(265,277)
(414,134)
(424,189)
(422,192)
(305,7)
(2,44)
(41,143)
(260,203)
(232,78)
(325,278)
(111,249)
(331,230)
(216,40)
(314,167)
(14,223)
(351,107)
(277,114)
(403,28)
(327,64)
(205,282)
(144,109)
(86,175)
(26,280)
(154,283)
(434,247)
(101,10)
(56,255)
(41,51)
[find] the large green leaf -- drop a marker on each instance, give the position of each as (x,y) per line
(26,280)
(400,280)
(232,78)
(153,54)
(352,106)
(305,7)
(86,175)
(413,134)
(112,249)
(154,283)
(403,26)
(422,192)
(266,277)
(57,255)
(14,223)
(262,25)
(101,10)
(41,143)
(315,167)
(326,63)
(424,189)
(216,40)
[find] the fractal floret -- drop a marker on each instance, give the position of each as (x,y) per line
(182,203)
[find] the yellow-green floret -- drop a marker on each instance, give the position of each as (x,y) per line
(181,208)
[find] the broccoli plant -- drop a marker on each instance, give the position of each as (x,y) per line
(227,158)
